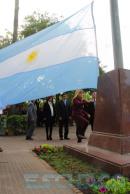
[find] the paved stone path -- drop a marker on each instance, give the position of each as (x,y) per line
(21,172)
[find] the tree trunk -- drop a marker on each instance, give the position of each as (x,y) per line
(16,11)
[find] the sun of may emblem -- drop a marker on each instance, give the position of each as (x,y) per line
(32,56)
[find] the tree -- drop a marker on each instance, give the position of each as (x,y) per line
(6,40)
(15,32)
(35,23)
(101,70)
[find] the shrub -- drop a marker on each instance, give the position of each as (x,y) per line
(119,185)
(3,124)
(17,124)
(115,185)
(46,148)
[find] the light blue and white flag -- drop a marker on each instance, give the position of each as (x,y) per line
(59,58)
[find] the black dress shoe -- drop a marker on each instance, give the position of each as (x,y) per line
(29,138)
(61,138)
(67,138)
(79,141)
(82,137)
(50,138)
(1,150)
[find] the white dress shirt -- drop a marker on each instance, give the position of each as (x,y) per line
(51,107)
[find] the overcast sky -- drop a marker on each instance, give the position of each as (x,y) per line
(67,7)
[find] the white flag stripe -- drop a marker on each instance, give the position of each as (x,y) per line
(61,49)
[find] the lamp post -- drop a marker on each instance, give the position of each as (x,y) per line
(116,35)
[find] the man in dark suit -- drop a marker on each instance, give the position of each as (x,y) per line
(32,119)
(49,116)
(90,109)
(64,113)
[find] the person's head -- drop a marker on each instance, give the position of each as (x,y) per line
(49,98)
(79,94)
(94,95)
(64,96)
(33,101)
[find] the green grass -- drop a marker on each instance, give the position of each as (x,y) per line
(65,163)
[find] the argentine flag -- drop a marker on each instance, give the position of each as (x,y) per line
(59,58)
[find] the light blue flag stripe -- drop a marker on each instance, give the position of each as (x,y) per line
(49,81)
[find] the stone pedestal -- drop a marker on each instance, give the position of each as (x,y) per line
(111,133)
(112,117)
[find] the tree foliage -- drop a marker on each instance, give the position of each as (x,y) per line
(101,70)
(6,40)
(36,22)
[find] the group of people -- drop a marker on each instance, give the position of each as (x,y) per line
(80,110)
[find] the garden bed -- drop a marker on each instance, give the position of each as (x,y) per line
(87,178)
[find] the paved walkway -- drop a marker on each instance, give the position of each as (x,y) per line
(21,172)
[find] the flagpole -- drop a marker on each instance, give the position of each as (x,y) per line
(116,35)
(94,29)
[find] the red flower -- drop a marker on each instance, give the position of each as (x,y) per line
(102,190)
